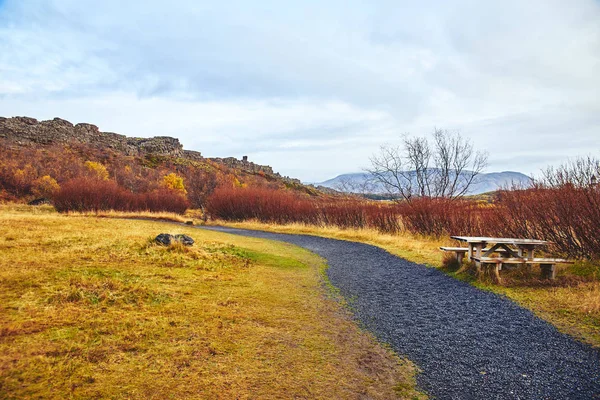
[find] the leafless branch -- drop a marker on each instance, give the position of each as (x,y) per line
(448,168)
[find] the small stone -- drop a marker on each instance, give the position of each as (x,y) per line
(167,239)
(185,239)
(164,238)
(189,222)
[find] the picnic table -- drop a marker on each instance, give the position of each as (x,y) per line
(496,252)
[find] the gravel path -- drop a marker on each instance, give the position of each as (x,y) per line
(469,344)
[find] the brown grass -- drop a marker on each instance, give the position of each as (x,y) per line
(91,308)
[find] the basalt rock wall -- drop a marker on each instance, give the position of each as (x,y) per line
(25,131)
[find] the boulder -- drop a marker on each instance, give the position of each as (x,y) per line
(167,239)
(185,239)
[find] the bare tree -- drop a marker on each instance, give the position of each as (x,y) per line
(447,168)
(578,172)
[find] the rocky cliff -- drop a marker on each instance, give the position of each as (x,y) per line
(25,131)
(250,167)
(29,131)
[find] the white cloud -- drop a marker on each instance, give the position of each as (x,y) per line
(326,83)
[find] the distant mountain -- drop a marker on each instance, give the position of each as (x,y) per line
(484,182)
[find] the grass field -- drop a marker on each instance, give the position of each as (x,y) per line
(91,308)
(571,303)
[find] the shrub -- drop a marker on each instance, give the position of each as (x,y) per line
(265,205)
(46,186)
(96,170)
(441,216)
(174,182)
(200,184)
(85,194)
(567,215)
(277,206)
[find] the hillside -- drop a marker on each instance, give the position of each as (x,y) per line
(485,182)
(33,149)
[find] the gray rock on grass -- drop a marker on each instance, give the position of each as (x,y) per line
(167,239)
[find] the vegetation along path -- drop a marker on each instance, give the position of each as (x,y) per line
(469,343)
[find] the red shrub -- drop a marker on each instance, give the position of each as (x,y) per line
(162,200)
(265,205)
(385,218)
(84,194)
(567,215)
(271,205)
(440,216)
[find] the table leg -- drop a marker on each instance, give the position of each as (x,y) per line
(478,248)
(529,257)
(520,253)
(548,271)
(497,268)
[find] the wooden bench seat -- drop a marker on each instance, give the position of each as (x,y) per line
(547,265)
(465,249)
(513,260)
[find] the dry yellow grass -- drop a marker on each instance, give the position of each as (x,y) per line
(159,216)
(573,307)
(91,308)
(415,248)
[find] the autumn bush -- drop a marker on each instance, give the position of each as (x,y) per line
(29,172)
(424,216)
(92,194)
(46,187)
(277,206)
(442,216)
(265,205)
(568,216)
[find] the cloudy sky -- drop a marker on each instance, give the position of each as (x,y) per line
(313,87)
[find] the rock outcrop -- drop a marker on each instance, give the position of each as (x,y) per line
(244,165)
(26,131)
(252,168)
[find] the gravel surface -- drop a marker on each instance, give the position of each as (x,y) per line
(469,344)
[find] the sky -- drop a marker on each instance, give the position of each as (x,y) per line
(313,88)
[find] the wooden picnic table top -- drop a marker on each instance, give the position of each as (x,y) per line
(513,241)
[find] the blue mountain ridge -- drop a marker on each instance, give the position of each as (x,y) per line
(484,182)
